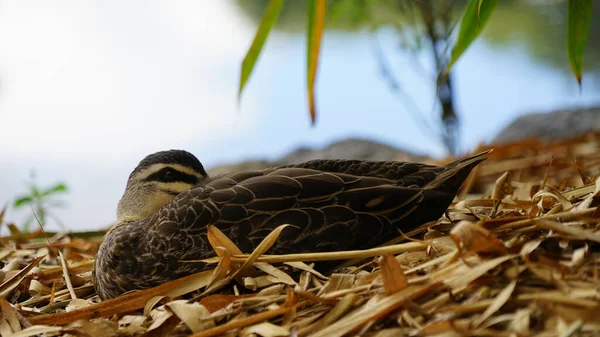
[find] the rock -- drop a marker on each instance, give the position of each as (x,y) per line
(247,165)
(346,149)
(559,124)
(350,149)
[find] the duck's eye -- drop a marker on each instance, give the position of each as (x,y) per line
(168,175)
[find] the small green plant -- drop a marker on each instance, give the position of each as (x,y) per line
(41,201)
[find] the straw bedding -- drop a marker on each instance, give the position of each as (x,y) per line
(517,254)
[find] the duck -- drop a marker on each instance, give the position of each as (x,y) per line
(331,204)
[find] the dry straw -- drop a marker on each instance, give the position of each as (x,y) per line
(516,255)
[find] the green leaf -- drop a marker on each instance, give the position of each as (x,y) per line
(60,187)
(22,201)
(473,21)
(316,25)
(35,192)
(339,8)
(578,29)
(479,11)
(268,21)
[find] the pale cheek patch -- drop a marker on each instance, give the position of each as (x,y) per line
(160,199)
(174,186)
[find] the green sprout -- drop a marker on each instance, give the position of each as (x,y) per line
(41,200)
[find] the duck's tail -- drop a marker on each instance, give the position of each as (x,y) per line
(455,173)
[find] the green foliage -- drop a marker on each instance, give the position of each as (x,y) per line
(579,22)
(41,200)
(316,25)
(268,21)
(432,20)
(474,19)
(536,26)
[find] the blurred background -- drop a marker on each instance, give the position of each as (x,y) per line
(87,89)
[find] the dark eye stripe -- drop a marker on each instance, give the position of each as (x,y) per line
(176,176)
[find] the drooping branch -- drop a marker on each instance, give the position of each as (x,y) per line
(437,25)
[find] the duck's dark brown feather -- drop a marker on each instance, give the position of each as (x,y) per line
(331,205)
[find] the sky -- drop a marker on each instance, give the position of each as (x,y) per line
(88,88)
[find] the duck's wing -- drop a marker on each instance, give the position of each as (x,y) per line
(331,205)
(327,211)
(407,174)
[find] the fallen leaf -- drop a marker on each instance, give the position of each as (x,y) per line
(392,274)
(473,238)
(194,315)
(265,329)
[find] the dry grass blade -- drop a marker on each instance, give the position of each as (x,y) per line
(265,329)
(559,297)
(502,186)
(564,216)
(340,308)
(336,284)
(262,248)
(5,329)
(37,330)
(218,301)
(167,324)
(128,302)
(305,267)
(461,277)
(498,302)
(280,276)
(372,312)
(152,303)
(223,267)
(441,260)
(570,313)
(13,282)
(244,322)
(9,313)
(573,329)
(570,230)
(194,315)
(554,194)
(78,267)
(333,256)
(216,238)
(473,238)
(63,264)
(578,192)
(218,281)
(566,204)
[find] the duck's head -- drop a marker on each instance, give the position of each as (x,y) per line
(155,181)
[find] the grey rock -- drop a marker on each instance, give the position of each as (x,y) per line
(361,149)
(352,148)
(559,124)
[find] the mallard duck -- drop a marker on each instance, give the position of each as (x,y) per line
(333,205)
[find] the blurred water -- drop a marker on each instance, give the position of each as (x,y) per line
(88,89)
